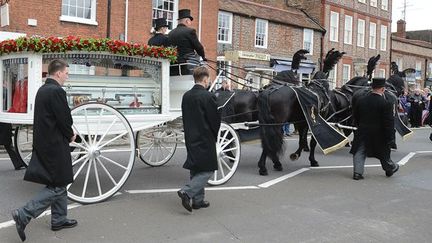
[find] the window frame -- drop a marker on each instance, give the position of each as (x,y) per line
(305,32)
(383,38)
(174,13)
(333,80)
(230,29)
(374,36)
(336,31)
(382,71)
(363,32)
(349,42)
(374,3)
(343,72)
(228,69)
(91,21)
(362,1)
(384,6)
(265,40)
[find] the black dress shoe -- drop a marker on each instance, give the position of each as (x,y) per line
(391,172)
(202,204)
(185,200)
(358,176)
(20,226)
(70,223)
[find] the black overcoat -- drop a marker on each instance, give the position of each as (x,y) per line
(373,116)
(186,41)
(201,122)
(52,132)
(5,133)
(158,39)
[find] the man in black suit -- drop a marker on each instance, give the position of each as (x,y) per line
(201,122)
(186,40)
(374,118)
(53,132)
(159,38)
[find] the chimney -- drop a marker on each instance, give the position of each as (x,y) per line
(401,28)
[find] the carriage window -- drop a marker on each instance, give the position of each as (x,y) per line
(165,9)
(15,85)
(132,85)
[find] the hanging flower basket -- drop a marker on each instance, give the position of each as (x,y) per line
(73,43)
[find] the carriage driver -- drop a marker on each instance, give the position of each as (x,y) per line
(374,118)
(186,40)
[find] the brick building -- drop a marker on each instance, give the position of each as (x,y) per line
(413,53)
(361,28)
(129,20)
(255,34)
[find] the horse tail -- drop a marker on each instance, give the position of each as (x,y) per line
(271,136)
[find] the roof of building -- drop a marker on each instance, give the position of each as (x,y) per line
(288,16)
(420,43)
(424,35)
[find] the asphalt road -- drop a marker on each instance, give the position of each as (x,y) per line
(299,204)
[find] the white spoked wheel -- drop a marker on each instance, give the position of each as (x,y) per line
(23,142)
(156,145)
(106,156)
(228,155)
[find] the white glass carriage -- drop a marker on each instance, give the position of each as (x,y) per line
(122,107)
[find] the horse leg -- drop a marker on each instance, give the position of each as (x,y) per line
(261,164)
(276,163)
(312,160)
(305,144)
(302,131)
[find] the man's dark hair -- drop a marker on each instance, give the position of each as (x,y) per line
(56,65)
(200,73)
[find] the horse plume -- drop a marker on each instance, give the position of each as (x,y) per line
(332,58)
(298,56)
(371,65)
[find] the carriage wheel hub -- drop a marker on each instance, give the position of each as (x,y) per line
(94,152)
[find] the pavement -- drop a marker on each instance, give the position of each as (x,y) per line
(299,204)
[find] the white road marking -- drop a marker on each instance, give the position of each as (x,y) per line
(282,178)
(423,152)
(405,159)
(176,189)
(4,159)
(339,167)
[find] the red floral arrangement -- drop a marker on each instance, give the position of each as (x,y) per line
(73,43)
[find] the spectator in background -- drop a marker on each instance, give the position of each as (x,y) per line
(417,103)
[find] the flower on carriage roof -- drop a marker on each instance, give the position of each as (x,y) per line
(75,43)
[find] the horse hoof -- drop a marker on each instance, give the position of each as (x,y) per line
(263,172)
(306,149)
(294,157)
(314,164)
(278,167)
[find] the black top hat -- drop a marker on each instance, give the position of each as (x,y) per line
(378,83)
(162,22)
(184,13)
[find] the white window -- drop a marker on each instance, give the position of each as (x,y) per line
(225,27)
(362,1)
(346,73)
(399,62)
(384,4)
(332,77)
(348,29)
(430,70)
(360,32)
(374,3)
(380,73)
(4,12)
(383,38)
(334,26)
(261,30)
(79,11)
(308,36)
(418,69)
(165,9)
(372,35)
